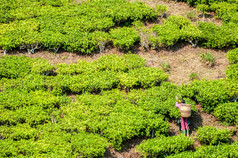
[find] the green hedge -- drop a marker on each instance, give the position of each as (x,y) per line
(160,100)
(32,115)
(124,37)
(232,72)
(232,56)
(71,26)
(208,93)
(108,115)
(16,133)
(15,66)
(227,112)
(12,99)
(210,151)
(30,82)
(215,36)
(164,146)
(107,62)
(107,72)
(55,144)
(97,23)
(213,136)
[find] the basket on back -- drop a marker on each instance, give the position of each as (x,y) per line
(185,110)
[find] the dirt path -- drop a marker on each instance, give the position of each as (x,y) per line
(128,150)
(184,60)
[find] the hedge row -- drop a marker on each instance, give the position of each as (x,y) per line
(39,143)
(74,27)
(210,151)
(107,72)
(213,136)
(164,146)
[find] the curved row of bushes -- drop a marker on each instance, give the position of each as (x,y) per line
(180,145)
(224,9)
(75,29)
(210,151)
(174,30)
(106,73)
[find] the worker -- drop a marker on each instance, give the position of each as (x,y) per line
(184,121)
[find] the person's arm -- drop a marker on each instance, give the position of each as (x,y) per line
(177,105)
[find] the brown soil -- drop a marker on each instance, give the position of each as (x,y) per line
(128,150)
(185,60)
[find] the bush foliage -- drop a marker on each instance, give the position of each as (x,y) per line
(71,26)
(161,146)
(227,112)
(212,151)
(92,25)
(213,136)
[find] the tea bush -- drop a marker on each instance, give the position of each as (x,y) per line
(213,136)
(232,56)
(161,146)
(227,112)
(212,151)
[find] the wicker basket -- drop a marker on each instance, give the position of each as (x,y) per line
(185,110)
